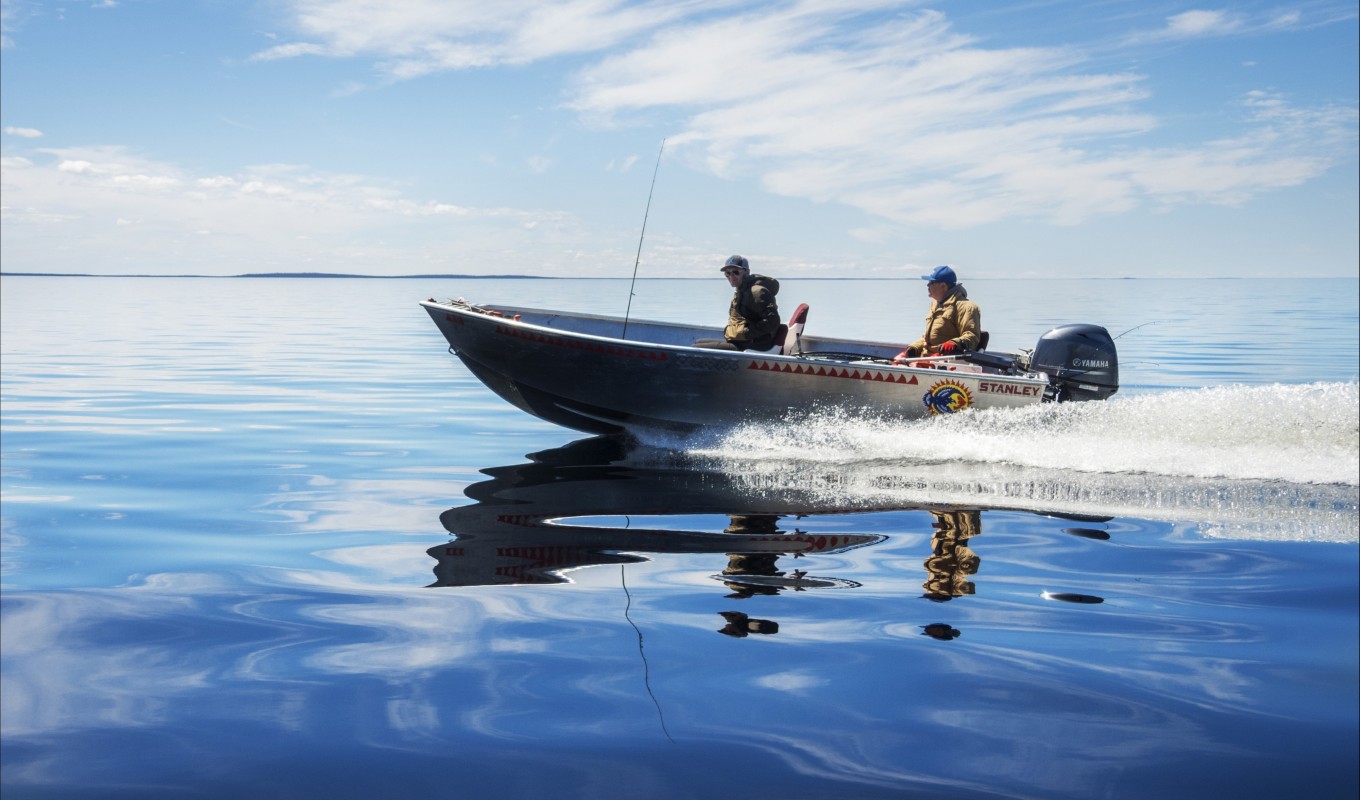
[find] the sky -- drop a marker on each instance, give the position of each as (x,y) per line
(590,138)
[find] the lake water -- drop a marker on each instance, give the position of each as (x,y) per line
(267,538)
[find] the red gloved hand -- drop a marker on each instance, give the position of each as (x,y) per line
(948,348)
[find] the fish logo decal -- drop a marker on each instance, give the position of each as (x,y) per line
(947,397)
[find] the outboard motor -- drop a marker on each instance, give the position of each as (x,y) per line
(1080,362)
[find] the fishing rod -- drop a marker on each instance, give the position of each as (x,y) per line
(638,260)
(1136,327)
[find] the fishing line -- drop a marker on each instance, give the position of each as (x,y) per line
(637,260)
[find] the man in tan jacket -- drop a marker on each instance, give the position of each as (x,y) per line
(954,323)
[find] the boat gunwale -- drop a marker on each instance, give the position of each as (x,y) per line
(484,311)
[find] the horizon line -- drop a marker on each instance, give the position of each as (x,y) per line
(518,276)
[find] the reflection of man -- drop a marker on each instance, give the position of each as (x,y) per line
(738,624)
(752,523)
(941,631)
(951,561)
(764,564)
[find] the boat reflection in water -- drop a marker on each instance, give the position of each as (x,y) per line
(534,523)
(531,524)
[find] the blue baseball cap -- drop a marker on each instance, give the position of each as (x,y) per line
(942,273)
(739,262)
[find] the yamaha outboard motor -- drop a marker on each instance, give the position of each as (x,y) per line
(1080,362)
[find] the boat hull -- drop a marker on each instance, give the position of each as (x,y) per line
(580,372)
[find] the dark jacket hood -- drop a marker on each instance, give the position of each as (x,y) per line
(771,284)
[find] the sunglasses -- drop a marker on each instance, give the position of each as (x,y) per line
(731,272)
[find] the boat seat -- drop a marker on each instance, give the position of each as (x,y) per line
(791,337)
(779,337)
(788,340)
(982,340)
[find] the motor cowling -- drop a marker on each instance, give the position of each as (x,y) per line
(1080,361)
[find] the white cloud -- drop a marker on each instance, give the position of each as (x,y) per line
(1188,26)
(25,133)
(77,166)
(292,50)
(919,125)
(875,104)
(1286,19)
(422,36)
(1201,23)
(282,214)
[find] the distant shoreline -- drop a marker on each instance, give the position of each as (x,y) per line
(439,276)
(265,275)
(463,276)
(449,276)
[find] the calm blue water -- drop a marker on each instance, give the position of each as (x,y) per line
(266,538)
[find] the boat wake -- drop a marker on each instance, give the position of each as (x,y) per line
(1273,462)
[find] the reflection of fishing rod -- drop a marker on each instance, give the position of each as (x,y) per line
(637,260)
(646,668)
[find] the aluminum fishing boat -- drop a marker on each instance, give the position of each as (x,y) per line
(603,374)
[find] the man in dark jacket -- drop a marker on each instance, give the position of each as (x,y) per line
(753,318)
